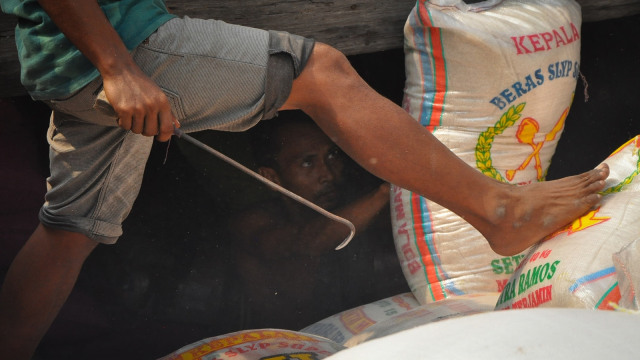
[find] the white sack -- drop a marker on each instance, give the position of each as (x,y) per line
(494,82)
(261,344)
(575,266)
(343,326)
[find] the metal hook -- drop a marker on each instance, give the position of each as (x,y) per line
(181,134)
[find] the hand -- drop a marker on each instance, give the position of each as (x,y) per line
(384,189)
(141,105)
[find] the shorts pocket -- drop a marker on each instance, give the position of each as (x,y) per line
(176,104)
(80,101)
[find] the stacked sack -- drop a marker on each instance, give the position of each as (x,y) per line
(263,344)
(627,263)
(593,262)
(394,314)
(494,82)
(343,326)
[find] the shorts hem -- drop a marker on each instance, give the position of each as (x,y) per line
(80,225)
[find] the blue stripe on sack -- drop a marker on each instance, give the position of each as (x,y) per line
(428,239)
(420,42)
(443,278)
(451,288)
(592,277)
(417,247)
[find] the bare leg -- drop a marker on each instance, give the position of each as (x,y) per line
(384,139)
(38,283)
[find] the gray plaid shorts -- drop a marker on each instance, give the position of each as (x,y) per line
(216,75)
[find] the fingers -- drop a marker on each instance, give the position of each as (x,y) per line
(133,117)
(166,123)
(138,124)
(150,125)
(124,122)
(146,120)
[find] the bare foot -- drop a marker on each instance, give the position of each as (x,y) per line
(524,215)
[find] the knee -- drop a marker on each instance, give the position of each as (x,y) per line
(332,62)
(327,76)
(330,56)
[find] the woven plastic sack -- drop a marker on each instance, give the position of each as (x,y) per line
(449,308)
(343,326)
(263,344)
(532,334)
(575,266)
(627,263)
(494,82)
(383,318)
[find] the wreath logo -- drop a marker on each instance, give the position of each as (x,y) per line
(485,141)
(484,162)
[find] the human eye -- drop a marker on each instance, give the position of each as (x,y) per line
(334,154)
(306,162)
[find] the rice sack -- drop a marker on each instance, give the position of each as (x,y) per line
(575,267)
(343,326)
(372,323)
(453,307)
(493,81)
(262,344)
(627,263)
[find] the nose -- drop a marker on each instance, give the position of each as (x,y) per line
(326,172)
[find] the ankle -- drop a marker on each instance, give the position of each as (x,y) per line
(507,214)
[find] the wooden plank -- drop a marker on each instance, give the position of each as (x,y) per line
(598,10)
(352,26)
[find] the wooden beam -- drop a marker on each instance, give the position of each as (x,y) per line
(352,26)
(598,10)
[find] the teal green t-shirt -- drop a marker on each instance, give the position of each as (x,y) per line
(52,67)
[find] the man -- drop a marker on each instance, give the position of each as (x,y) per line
(289,273)
(215,76)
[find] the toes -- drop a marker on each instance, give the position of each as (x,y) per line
(596,176)
(592,199)
(604,170)
(601,172)
(596,186)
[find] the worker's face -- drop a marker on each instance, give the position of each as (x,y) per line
(311,165)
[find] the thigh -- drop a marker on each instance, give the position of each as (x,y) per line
(218,75)
(96,173)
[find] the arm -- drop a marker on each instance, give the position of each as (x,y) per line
(260,235)
(141,105)
(325,234)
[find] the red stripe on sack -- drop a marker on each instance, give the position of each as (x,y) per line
(421,63)
(439,68)
(613,296)
(431,271)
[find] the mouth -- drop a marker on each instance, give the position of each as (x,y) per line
(327,197)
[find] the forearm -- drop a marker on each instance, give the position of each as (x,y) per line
(141,105)
(317,234)
(362,211)
(325,234)
(86,26)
